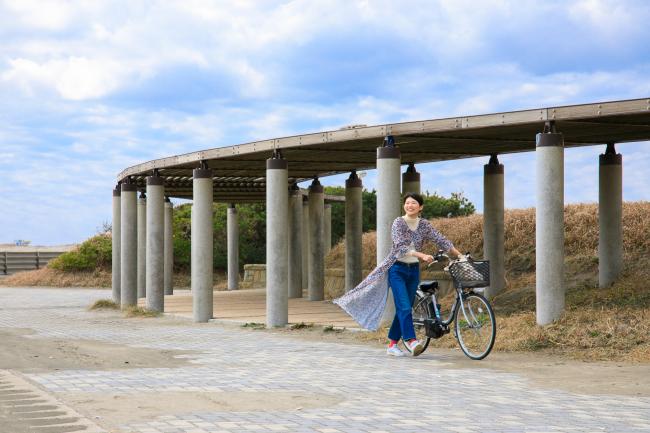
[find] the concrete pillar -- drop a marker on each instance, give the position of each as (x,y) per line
(155,243)
(327,228)
(389,206)
(295,242)
(202,244)
(549,247)
(232,229)
(316,289)
(353,230)
(128,246)
(277,250)
(115,245)
(411,180)
(142,245)
(610,216)
(305,243)
(493,237)
(168,280)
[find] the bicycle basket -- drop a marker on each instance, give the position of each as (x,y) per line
(470,274)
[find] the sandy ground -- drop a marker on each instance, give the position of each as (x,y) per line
(118,409)
(41,355)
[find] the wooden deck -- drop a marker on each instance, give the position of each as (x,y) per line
(250,306)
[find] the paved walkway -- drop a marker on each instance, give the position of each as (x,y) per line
(359,388)
(250,306)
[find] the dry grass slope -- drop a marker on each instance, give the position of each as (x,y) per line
(55,278)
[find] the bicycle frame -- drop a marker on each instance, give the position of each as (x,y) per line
(433,305)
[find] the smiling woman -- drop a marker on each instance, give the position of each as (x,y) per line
(401,271)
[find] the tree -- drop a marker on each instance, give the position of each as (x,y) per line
(436,206)
(252,234)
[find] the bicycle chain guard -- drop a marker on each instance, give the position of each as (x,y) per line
(434,329)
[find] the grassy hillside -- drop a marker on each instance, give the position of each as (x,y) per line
(604,324)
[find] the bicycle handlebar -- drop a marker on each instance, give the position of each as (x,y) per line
(440,255)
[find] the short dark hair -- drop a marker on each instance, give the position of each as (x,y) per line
(415,196)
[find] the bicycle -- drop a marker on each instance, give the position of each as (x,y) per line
(475,325)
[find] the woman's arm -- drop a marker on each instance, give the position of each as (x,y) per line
(443,243)
(455,252)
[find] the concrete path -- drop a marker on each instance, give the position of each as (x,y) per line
(257,381)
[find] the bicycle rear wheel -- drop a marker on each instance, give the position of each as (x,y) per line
(421,311)
(475,326)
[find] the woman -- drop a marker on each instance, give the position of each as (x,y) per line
(401,271)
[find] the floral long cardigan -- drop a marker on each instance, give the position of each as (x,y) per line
(366,302)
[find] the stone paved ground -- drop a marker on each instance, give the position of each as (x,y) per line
(374,393)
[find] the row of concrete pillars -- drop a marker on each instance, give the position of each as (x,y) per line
(142,245)
(297,230)
(550,290)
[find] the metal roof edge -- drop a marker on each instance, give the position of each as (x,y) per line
(566,112)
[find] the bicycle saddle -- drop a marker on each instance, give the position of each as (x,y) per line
(429,286)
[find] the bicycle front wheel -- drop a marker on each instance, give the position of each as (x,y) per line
(476,327)
(421,311)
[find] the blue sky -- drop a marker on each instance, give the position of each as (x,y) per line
(89,88)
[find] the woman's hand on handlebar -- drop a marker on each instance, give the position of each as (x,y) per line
(427,258)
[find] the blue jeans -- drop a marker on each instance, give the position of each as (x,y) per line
(403,280)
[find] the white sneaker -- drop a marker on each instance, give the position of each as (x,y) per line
(395,351)
(415,347)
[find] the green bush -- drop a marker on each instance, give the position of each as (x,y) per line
(94,253)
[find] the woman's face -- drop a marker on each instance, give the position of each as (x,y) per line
(412,207)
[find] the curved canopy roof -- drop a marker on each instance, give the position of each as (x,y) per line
(240,170)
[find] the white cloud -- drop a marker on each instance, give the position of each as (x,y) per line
(41,14)
(93,87)
(612,18)
(74,78)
